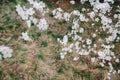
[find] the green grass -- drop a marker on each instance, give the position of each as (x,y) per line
(13,76)
(57,56)
(62,67)
(69,28)
(40,55)
(82,60)
(56,36)
(44,44)
(82,74)
(51,15)
(61,22)
(1,74)
(116,66)
(53,77)
(35,67)
(21,61)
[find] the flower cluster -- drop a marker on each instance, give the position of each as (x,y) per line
(85,45)
(28,16)
(85,39)
(43,25)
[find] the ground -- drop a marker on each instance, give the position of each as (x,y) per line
(40,59)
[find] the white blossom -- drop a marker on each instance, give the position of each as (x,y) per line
(94,35)
(65,39)
(58,13)
(93,59)
(117,60)
(92,15)
(25,36)
(83,1)
(67,16)
(83,52)
(6,51)
(103,7)
(76,12)
(112,1)
(118,71)
(88,41)
(30,11)
(83,9)
(81,30)
(75,58)
(102,64)
(21,12)
(28,23)
(43,25)
(97,19)
(72,2)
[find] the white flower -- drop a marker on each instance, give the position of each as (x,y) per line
(108,58)
(34,20)
(83,52)
(117,60)
(94,35)
(28,23)
(30,11)
(105,20)
(97,19)
(83,1)
(66,16)
(118,71)
(93,59)
(62,55)
(76,12)
(65,39)
(36,5)
(112,1)
(72,2)
(83,18)
(75,24)
(43,25)
(40,6)
(95,45)
(88,41)
(6,51)
(115,16)
(114,71)
(101,54)
(83,9)
(92,15)
(21,12)
(57,13)
(25,36)
(75,58)
(103,7)
(81,30)
(101,64)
